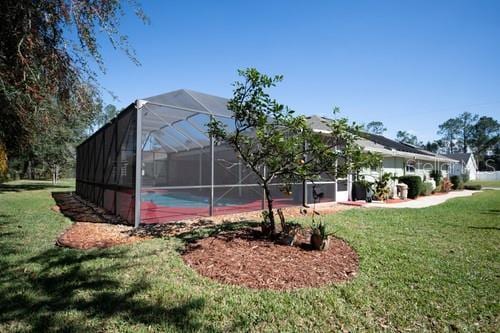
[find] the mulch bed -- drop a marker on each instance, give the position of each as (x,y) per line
(88,235)
(93,227)
(246,258)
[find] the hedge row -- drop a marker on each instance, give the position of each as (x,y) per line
(414,183)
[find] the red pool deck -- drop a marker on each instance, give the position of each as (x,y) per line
(152,213)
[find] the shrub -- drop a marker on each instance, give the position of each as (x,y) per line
(427,187)
(436,175)
(445,185)
(465,177)
(476,187)
(457,182)
(414,185)
(382,188)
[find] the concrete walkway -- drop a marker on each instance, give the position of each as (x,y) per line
(422,202)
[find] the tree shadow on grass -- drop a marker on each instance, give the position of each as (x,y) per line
(42,291)
(491,212)
(29,187)
(485,228)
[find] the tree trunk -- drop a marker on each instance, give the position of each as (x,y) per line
(57,173)
(28,173)
(269,200)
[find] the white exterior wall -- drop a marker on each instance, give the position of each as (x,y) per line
(397,166)
(471,169)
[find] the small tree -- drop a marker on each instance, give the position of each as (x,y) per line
(273,142)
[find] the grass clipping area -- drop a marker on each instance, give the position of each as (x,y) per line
(423,270)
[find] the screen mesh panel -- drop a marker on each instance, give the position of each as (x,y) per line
(106,166)
(184,174)
(236,199)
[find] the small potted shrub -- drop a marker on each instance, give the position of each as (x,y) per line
(320,239)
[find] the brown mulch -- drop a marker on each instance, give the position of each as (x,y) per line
(73,207)
(93,227)
(88,235)
(245,258)
(171,229)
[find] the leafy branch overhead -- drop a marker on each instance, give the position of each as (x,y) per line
(47,50)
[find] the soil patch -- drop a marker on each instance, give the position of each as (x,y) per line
(246,258)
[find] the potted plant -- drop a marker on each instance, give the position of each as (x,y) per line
(320,239)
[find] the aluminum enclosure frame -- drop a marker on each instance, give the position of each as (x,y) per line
(171,125)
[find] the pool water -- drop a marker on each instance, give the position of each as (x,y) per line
(186,200)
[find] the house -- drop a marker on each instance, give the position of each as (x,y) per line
(399,158)
(155,163)
(466,165)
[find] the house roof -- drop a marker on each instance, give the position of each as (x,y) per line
(318,123)
(462,157)
(381,144)
(392,144)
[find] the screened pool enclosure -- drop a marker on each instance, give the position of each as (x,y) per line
(155,163)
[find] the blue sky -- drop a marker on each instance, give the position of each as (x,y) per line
(410,64)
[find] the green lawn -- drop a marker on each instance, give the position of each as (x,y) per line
(489,183)
(434,269)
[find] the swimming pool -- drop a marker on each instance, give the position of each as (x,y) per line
(187,200)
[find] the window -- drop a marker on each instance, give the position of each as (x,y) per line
(410,166)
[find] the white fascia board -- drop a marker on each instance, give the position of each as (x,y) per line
(397,153)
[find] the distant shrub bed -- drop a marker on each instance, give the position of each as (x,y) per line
(414,185)
(472,187)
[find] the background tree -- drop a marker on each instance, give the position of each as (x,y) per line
(458,133)
(274,143)
(44,77)
(376,127)
(466,123)
(485,135)
(433,146)
(450,131)
(103,116)
(405,137)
